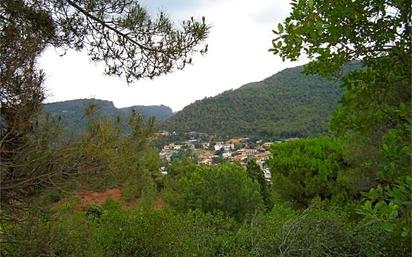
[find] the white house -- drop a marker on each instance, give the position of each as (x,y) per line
(229,147)
(218,146)
(227,155)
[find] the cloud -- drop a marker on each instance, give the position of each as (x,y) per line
(240,37)
(272,12)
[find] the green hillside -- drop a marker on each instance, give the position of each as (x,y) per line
(71,112)
(287,104)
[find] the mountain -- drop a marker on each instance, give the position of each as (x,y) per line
(160,112)
(287,104)
(72,112)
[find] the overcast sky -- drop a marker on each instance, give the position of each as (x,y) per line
(239,39)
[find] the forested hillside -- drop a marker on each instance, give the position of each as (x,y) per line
(72,112)
(109,193)
(287,104)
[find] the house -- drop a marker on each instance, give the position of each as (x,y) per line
(177,147)
(262,156)
(168,147)
(208,161)
(228,147)
(218,146)
(227,155)
(167,155)
(244,140)
(239,158)
(234,141)
(250,152)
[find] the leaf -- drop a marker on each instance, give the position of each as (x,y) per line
(319,25)
(311,2)
(393,214)
(280,28)
(299,41)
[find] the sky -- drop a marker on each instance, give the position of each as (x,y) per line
(239,40)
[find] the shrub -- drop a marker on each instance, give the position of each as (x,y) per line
(225,188)
(307,168)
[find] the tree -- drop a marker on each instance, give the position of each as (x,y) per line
(234,193)
(256,174)
(332,33)
(119,33)
(377,33)
(309,168)
(377,103)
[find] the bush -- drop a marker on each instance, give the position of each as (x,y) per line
(165,233)
(225,188)
(94,211)
(306,169)
(320,231)
(54,197)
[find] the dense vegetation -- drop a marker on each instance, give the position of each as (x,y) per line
(71,113)
(287,104)
(209,211)
(347,194)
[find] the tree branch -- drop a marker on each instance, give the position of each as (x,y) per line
(106,25)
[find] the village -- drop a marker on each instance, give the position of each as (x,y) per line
(207,150)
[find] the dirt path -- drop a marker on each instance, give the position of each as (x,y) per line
(99,197)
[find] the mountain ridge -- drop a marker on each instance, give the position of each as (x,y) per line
(75,104)
(286,104)
(71,112)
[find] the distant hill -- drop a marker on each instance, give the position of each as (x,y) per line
(287,104)
(72,112)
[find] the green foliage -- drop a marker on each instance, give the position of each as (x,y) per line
(181,167)
(331,33)
(314,232)
(106,156)
(71,113)
(256,174)
(93,211)
(131,234)
(264,234)
(234,193)
(122,232)
(288,104)
(308,168)
(40,234)
(146,173)
(377,102)
(54,197)
(391,206)
(27,158)
(390,202)
(120,34)
(218,210)
(318,231)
